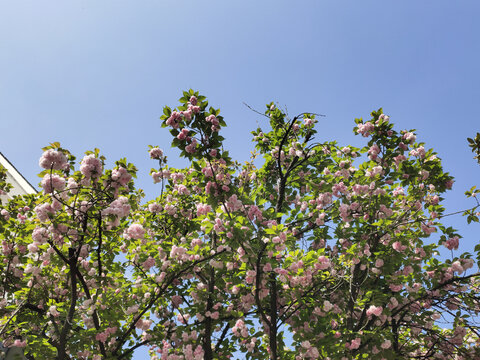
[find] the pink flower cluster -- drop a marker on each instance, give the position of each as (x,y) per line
(143,324)
(311,352)
(156,153)
(418,152)
(102,337)
(452,243)
(135,231)
(158,176)
(132,309)
(19,343)
(155,208)
(409,137)
(234,204)
(308,122)
(191,148)
(5,214)
(183,135)
(373,152)
(214,121)
(53,159)
(374,310)
(121,176)
(52,182)
(354,344)
(91,167)
(255,212)
(173,119)
(323,263)
(119,207)
(365,129)
(240,329)
(149,263)
(44,211)
(40,235)
(203,209)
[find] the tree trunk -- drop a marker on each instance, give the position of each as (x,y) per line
(273,317)
(207,339)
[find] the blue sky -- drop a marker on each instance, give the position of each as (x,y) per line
(98,73)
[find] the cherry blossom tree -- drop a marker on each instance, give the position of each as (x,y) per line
(308,251)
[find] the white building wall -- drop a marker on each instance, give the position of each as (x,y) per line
(20,185)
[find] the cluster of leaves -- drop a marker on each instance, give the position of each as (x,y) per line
(475,145)
(322,252)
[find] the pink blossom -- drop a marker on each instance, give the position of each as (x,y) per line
(327,305)
(428,228)
(355,343)
(102,337)
(234,204)
(467,263)
(149,263)
(52,182)
(409,137)
(374,310)
(53,311)
(449,184)
(379,263)
(398,159)
(173,119)
(33,247)
(158,176)
(386,344)
(119,207)
(121,176)
(323,263)
(155,208)
(452,243)
(365,129)
(40,235)
(183,134)
(418,152)
(396,287)
(72,185)
(176,300)
(44,211)
(308,122)
(53,159)
(377,170)
(91,166)
(397,245)
(255,212)
(187,114)
(203,209)
(135,231)
(373,151)
(132,309)
(191,148)
(424,174)
(19,343)
(384,117)
(213,120)
(143,324)
(182,189)
(156,153)
(5,214)
(457,267)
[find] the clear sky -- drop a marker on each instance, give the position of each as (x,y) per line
(95,73)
